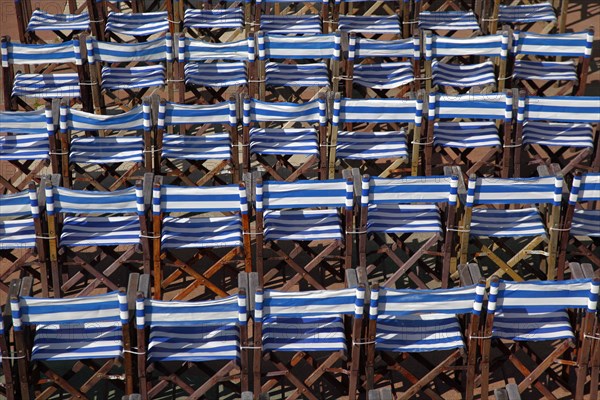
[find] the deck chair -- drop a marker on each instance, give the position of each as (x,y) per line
(580,236)
(134,68)
(525,14)
(90,332)
(285,144)
(198,144)
(303,72)
(22,249)
(95,237)
(183,343)
(214,20)
(450,16)
(481,62)
(460,126)
(535,65)
(215,225)
(514,234)
(126,25)
(415,322)
(288,17)
(557,129)
(537,311)
(208,70)
(287,212)
(51,71)
(365,69)
(100,152)
(28,145)
(395,212)
(367,17)
(309,327)
(381,142)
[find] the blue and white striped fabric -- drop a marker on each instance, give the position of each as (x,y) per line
(29,134)
(545,70)
(261,111)
(215,74)
(397,205)
(577,44)
(558,134)
(369,24)
(18,233)
(291,24)
(585,188)
(371,145)
(306,321)
(458,75)
(138,24)
(448,21)
(46,86)
(200,232)
(526,13)
(227,18)
(535,311)
(73,329)
(313,74)
(411,320)
(44,21)
(192,331)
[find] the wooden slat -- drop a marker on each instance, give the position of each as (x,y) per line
(464,275)
(252,286)
(26,286)
(147,187)
(351,278)
(144,285)
(475,272)
(132,286)
(576,271)
(513,391)
(501,394)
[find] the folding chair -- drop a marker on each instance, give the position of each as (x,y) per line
(559,130)
(580,236)
(536,67)
(94,237)
(26,146)
(21,247)
(299,75)
(395,212)
(215,225)
(378,78)
(287,212)
(379,146)
(449,17)
(176,339)
(537,311)
(286,17)
(210,69)
(459,142)
(202,154)
(125,21)
(49,74)
(299,151)
(58,340)
(104,154)
(131,67)
(517,233)
(525,14)
(481,62)
(366,17)
(309,326)
(413,322)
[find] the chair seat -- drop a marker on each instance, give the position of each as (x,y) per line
(194,343)
(466,134)
(18,234)
(106,150)
(33,146)
(314,333)
(201,232)
(384,76)
(507,223)
(418,333)
(524,326)
(218,74)
(545,70)
(303,225)
(448,20)
(558,134)
(284,141)
(369,24)
(227,18)
(586,223)
(402,218)
(100,231)
(457,75)
(313,74)
(114,78)
(526,13)
(44,86)
(77,341)
(206,147)
(43,21)
(371,145)
(291,24)
(138,24)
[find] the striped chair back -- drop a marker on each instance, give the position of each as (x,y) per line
(493,106)
(585,187)
(275,195)
(171,114)
(261,111)
(486,46)
(409,190)
(584,221)
(227,198)
(559,108)
(62,200)
(137,119)
(137,24)
(198,50)
(192,331)
(35,54)
(578,44)
(377,111)
(17,214)
(545,190)
(29,134)
(156,50)
(359,48)
(323,46)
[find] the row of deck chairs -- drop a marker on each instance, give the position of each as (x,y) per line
(309,344)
